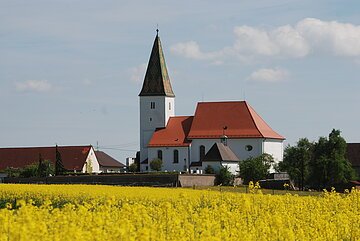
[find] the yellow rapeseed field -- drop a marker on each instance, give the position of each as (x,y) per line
(89,212)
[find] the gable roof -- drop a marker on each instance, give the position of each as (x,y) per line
(239,118)
(157,81)
(174,134)
(353,153)
(107,161)
(220,152)
(73,157)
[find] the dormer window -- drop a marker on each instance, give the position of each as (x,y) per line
(152,105)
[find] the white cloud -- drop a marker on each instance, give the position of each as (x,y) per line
(192,50)
(33,86)
(308,36)
(269,75)
(137,73)
(339,38)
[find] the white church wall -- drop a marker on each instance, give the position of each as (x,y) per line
(155,111)
(238,146)
(233,167)
(92,161)
(275,148)
(168,157)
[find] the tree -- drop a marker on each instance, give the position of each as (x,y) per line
(29,171)
(255,168)
(156,164)
(41,169)
(89,166)
(224,176)
(296,162)
(329,165)
(209,170)
(59,166)
(133,167)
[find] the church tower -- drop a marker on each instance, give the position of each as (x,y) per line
(157,99)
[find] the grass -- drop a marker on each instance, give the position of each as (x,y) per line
(245,189)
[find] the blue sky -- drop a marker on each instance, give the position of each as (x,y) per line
(71,71)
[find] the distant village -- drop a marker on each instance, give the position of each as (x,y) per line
(219,135)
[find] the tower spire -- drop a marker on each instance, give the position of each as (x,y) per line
(157,81)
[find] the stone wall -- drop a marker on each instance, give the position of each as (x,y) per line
(187,180)
(153,180)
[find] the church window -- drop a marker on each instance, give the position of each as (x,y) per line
(176,156)
(202,152)
(152,105)
(150,119)
(160,154)
(169,106)
(248,147)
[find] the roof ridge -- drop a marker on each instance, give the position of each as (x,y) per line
(227,101)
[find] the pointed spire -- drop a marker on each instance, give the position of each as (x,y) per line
(157,81)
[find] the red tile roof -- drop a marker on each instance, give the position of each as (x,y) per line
(174,134)
(107,161)
(240,119)
(353,153)
(73,157)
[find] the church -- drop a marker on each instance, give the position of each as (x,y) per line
(218,134)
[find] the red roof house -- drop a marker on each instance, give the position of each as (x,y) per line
(74,158)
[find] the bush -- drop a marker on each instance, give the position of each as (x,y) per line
(133,167)
(156,164)
(209,170)
(224,177)
(255,168)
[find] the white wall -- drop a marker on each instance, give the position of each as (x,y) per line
(129,161)
(150,119)
(110,169)
(238,146)
(233,166)
(275,148)
(91,158)
(168,158)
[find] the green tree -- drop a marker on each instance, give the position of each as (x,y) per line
(255,168)
(209,170)
(329,165)
(296,162)
(156,164)
(224,176)
(41,169)
(59,166)
(89,166)
(29,171)
(133,167)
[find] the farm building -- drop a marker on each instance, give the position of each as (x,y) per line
(353,155)
(74,158)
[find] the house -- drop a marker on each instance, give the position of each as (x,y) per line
(182,142)
(108,164)
(353,155)
(74,158)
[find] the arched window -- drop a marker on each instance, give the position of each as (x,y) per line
(160,154)
(176,156)
(202,152)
